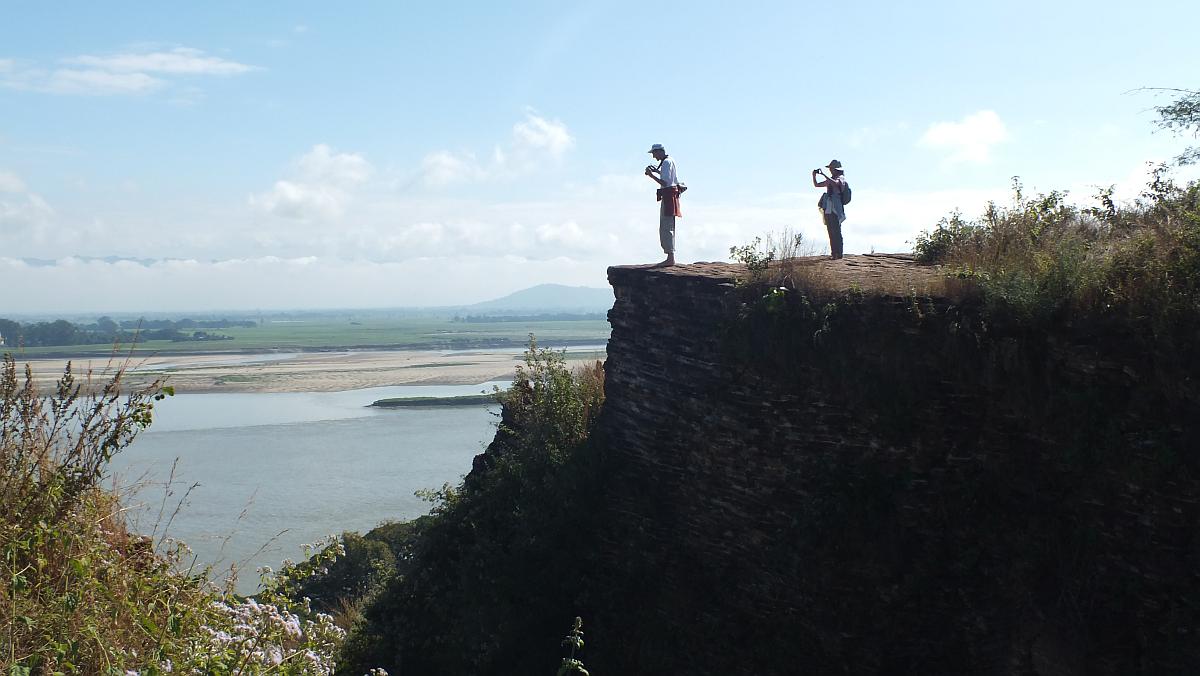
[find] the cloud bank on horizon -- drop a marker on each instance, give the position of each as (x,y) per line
(299,168)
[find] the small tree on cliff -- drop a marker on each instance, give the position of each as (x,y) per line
(1182,116)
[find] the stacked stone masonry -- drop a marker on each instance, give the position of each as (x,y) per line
(788,520)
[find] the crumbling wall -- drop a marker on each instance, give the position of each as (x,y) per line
(874,483)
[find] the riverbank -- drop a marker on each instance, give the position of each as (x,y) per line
(307,371)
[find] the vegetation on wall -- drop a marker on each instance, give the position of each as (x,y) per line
(482,584)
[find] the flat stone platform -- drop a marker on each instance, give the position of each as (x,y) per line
(883,273)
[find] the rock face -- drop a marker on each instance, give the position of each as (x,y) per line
(880,485)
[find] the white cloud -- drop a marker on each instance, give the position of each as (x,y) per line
(872,134)
(888,220)
(349,240)
(321,187)
(24,216)
(535,140)
(69,81)
(537,133)
(10,182)
(615,186)
(133,72)
(300,200)
(969,140)
(1129,187)
(443,168)
(176,61)
(26,209)
(323,164)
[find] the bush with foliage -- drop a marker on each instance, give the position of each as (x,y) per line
(367,564)
(1182,116)
(488,575)
(83,594)
(1041,258)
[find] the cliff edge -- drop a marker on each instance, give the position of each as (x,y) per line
(854,472)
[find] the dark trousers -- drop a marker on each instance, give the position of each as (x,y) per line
(835,234)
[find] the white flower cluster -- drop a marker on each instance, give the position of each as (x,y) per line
(265,635)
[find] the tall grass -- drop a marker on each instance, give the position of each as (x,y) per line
(782,258)
(84,595)
(1042,259)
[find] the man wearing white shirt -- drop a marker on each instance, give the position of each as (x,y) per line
(668,195)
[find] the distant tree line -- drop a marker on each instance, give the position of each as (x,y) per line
(551,317)
(107,330)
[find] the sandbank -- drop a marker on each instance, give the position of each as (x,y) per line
(333,371)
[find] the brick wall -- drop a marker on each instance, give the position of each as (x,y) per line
(898,497)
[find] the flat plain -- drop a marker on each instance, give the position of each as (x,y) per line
(323,355)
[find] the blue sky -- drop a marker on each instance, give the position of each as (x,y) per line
(282,155)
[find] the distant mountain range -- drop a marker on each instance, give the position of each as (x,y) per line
(548,298)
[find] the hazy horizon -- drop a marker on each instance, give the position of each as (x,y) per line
(269,312)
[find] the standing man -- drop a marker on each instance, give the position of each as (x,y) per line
(668,194)
(832,203)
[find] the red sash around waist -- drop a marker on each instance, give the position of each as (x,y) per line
(672,195)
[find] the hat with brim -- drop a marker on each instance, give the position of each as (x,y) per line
(656,146)
(834,164)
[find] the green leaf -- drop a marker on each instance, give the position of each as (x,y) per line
(149,625)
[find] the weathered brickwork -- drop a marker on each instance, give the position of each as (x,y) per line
(804,519)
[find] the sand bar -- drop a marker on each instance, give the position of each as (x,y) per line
(305,371)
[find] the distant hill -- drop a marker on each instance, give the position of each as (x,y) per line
(549,298)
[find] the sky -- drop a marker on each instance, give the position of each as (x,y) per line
(210,156)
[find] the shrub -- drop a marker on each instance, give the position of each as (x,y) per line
(1041,259)
(83,594)
(490,572)
(782,258)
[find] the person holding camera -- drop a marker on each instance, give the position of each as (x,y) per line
(833,203)
(668,195)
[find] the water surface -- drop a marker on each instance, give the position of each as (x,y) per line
(304,464)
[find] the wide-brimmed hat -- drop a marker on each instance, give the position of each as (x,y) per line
(657,146)
(834,164)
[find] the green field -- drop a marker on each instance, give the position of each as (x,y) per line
(392,333)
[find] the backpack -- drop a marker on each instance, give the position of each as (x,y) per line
(845,193)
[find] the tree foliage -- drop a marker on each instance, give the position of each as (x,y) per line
(1182,116)
(485,579)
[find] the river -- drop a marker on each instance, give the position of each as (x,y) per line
(276,470)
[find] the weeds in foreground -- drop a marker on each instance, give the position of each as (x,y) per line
(84,595)
(574,641)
